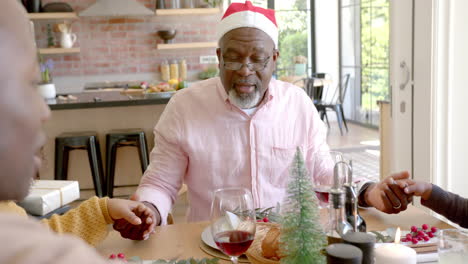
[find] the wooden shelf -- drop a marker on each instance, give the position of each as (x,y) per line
(51,51)
(44,16)
(187,11)
(192,45)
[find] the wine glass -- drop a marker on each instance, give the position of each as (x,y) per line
(323,164)
(233,221)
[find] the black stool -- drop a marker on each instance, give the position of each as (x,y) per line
(66,142)
(121,138)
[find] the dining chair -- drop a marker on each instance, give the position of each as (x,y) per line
(332,100)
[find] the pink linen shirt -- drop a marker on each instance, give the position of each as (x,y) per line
(208,143)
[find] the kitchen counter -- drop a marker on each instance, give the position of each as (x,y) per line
(98,99)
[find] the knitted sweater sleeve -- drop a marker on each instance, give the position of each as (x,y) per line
(88,221)
(448,204)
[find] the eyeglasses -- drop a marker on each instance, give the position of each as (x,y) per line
(253,66)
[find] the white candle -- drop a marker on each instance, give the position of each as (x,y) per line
(395,253)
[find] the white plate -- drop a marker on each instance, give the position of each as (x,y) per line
(208,238)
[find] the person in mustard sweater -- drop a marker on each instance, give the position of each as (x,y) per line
(90,219)
(22,116)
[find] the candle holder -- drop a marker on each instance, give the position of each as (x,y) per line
(363,241)
(341,253)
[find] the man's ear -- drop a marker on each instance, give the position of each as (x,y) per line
(276,55)
(218,53)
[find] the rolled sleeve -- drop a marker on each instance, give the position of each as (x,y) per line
(168,163)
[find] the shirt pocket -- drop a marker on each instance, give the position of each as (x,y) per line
(281,160)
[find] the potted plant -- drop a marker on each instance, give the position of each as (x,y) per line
(300,65)
(46,87)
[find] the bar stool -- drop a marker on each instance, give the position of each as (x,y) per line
(67,142)
(121,138)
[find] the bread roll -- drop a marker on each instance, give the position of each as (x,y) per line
(270,244)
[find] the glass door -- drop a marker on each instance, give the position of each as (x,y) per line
(365,56)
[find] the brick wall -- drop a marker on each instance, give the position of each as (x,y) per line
(111,45)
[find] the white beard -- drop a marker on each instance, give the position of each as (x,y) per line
(244,102)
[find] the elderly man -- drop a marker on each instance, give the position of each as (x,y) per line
(241,129)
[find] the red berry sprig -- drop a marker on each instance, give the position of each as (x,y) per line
(118,256)
(420,234)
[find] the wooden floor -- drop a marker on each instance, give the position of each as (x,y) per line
(354,138)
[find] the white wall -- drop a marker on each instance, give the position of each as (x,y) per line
(422,85)
(458,99)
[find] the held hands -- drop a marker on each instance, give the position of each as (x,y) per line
(135,217)
(387,195)
(422,189)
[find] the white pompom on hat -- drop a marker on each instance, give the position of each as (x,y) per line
(240,15)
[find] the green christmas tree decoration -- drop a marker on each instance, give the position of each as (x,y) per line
(302,238)
(50,37)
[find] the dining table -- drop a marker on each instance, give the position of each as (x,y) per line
(183,240)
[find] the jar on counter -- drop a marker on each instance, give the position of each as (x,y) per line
(165,71)
(174,70)
(183,70)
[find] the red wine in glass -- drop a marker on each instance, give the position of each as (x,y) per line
(322,193)
(234,243)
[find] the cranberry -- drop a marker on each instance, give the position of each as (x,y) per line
(414,229)
(421,233)
(409,236)
(112,256)
(426,238)
(430,234)
(425,227)
(265,219)
(121,256)
(414,240)
(433,229)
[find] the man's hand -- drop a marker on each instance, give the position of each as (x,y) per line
(134,220)
(422,189)
(387,196)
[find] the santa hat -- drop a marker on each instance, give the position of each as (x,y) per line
(240,15)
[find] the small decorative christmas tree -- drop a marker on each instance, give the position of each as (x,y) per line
(302,237)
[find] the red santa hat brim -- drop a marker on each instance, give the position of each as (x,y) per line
(240,15)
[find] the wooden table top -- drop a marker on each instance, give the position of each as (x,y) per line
(182,241)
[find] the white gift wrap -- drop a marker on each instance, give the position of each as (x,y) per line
(46,196)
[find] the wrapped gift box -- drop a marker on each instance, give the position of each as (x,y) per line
(46,196)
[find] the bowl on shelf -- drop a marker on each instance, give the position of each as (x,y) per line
(167,35)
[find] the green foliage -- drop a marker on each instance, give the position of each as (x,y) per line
(292,19)
(292,45)
(213,3)
(302,237)
(50,37)
(208,73)
(375,40)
